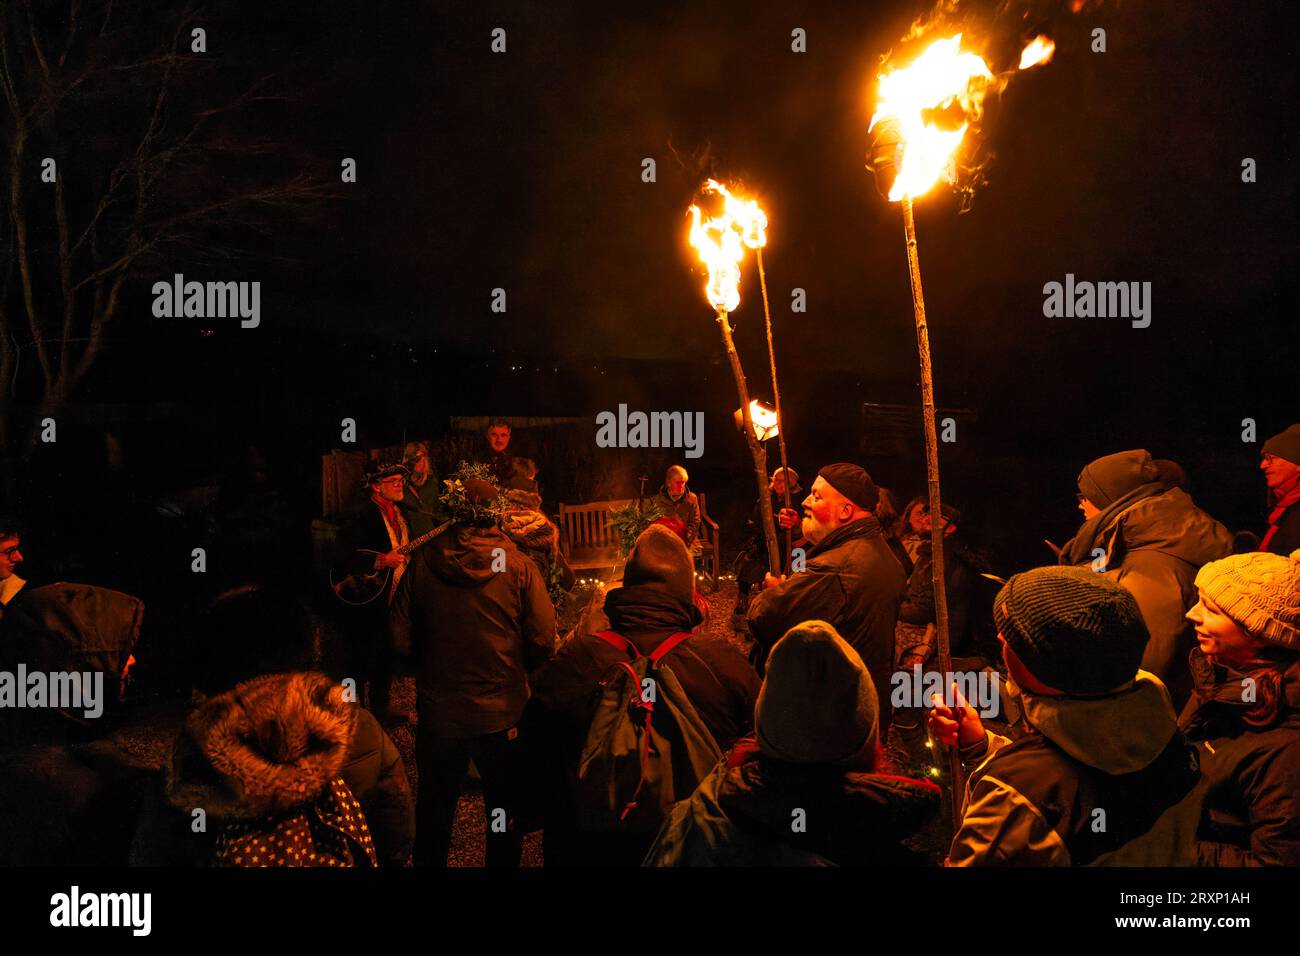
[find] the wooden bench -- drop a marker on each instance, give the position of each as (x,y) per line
(589,542)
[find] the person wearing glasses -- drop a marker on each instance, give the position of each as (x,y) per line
(370,539)
(1280,463)
(10,558)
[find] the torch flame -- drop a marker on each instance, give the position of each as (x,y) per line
(762,418)
(1038,52)
(943,82)
(721,241)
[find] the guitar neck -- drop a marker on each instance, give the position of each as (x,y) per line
(428,536)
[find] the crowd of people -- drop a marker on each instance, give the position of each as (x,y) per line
(1148,685)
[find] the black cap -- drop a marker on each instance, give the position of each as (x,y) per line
(853,482)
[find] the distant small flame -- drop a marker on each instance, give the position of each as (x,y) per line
(1038,52)
(721,241)
(933,101)
(762,418)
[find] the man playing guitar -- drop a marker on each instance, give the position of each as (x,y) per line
(370,539)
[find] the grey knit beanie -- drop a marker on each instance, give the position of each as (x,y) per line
(1074,629)
(817,703)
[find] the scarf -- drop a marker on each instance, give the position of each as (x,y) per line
(1078,550)
(397,533)
(1282,499)
(648,607)
(1217,692)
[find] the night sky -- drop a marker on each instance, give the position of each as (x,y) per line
(522,170)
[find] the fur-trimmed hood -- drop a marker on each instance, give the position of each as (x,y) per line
(271,744)
(525,524)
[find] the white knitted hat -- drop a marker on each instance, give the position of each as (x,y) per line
(1260,591)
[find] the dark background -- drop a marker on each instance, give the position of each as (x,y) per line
(522,171)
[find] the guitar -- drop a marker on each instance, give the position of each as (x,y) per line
(362,588)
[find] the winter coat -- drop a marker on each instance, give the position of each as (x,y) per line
(69,790)
(420,505)
(1287,536)
(537,536)
(1085,786)
(244,756)
(853,582)
(961,576)
(362,531)
(714,675)
(71,803)
(474,632)
(686,509)
(751,559)
(1153,547)
(1249,796)
(742,815)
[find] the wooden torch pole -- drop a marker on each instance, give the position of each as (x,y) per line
(932,477)
(776,396)
(755,448)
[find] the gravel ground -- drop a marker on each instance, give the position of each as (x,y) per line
(153,726)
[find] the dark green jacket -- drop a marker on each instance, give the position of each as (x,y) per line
(756,811)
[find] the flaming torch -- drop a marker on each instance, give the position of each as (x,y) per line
(921,118)
(720,242)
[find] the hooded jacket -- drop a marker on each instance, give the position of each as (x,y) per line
(1248,801)
(714,675)
(268,746)
(1153,545)
(1085,786)
(536,536)
(70,792)
(853,582)
(741,816)
(656,601)
(474,615)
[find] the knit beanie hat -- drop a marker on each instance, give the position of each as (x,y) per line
(853,482)
(817,703)
(1074,629)
(1260,591)
(659,557)
(1285,445)
(1108,479)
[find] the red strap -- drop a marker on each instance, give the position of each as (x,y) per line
(666,648)
(620,642)
(626,646)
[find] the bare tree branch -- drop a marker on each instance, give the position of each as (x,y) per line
(73,8)
(36,44)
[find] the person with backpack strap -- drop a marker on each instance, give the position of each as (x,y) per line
(810,788)
(636,715)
